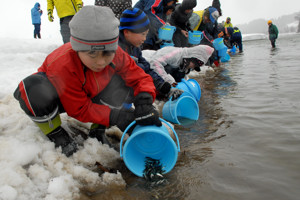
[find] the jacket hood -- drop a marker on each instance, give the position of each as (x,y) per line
(188,4)
(201,52)
(36,5)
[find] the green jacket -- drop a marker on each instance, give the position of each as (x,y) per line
(273,32)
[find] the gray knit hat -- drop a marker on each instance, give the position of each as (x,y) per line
(94,28)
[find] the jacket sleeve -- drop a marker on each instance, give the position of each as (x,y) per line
(159,68)
(50,5)
(133,75)
(173,19)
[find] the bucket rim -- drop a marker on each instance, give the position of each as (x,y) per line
(197,97)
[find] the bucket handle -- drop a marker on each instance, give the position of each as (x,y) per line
(192,91)
(132,123)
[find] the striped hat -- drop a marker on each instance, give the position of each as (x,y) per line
(94,28)
(134,20)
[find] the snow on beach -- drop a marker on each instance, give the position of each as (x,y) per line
(31,168)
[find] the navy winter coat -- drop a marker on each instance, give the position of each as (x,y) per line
(36,14)
(154,9)
(136,54)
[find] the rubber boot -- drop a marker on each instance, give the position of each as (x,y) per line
(98,131)
(61,138)
(50,126)
(39,35)
(34,36)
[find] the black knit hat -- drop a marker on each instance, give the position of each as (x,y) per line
(134,20)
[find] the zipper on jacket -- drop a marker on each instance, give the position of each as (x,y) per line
(73,6)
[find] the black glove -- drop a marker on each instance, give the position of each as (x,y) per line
(175,93)
(165,88)
(121,118)
(144,112)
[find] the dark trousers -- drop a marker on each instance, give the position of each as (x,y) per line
(37,30)
(65,29)
(237,40)
(273,42)
(38,97)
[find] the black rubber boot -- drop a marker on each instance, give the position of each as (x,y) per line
(98,131)
(62,139)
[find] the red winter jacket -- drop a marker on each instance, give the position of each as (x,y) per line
(76,88)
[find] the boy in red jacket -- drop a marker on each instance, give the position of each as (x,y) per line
(90,79)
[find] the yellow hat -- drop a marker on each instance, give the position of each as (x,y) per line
(270,22)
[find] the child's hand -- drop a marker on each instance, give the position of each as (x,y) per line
(174,84)
(185,33)
(145,113)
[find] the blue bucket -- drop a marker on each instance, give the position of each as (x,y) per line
(149,141)
(167,44)
(233,50)
(192,87)
(225,58)
(166,32)
(195,37)
(218,44)
(222,52)
(183,109)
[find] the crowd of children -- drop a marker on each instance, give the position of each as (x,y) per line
(95,76)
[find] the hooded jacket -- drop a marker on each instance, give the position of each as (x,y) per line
(36,14)
(173,56)
(179,18)
(64,8)
(136,54)
(76,84)
(273,32)
(154,9)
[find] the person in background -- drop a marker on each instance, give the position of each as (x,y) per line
(157,12)
(228,22)
(117,6)
(233,36)
(90,78)
(36,14)
(173,63)
(273,33)
(206,21)
(180,19)
(134,27)
(65,9)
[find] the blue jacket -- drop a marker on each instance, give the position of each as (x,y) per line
(36,14)
(154,9)
(136,54)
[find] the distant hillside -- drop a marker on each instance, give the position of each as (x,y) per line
(285,24)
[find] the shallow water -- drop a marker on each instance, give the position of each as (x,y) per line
(246,143)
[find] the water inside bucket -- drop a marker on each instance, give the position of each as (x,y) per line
(186,121)
(183,107)
(149,141)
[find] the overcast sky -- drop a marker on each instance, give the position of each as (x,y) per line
(16,18)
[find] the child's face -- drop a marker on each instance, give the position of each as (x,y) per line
(96,60)
(136,39)
(188,11)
